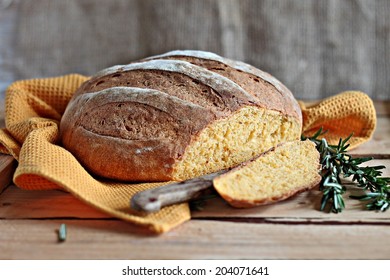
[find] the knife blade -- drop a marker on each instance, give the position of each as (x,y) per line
(153,200)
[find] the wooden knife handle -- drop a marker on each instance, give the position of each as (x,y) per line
(154,199)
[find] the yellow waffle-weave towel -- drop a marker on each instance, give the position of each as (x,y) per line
(33,112)
(340,115)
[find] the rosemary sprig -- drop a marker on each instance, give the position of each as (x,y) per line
(336,162)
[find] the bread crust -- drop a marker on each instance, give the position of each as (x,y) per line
(275,95)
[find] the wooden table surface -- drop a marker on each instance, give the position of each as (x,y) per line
(293,229)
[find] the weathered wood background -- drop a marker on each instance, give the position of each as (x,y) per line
(316,47)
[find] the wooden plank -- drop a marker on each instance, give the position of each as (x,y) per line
(7,167)
(17,203)
(20,204)
(37,239)
(302,208)
(382,108)
(379,145)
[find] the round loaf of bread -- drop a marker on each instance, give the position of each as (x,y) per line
(176,116)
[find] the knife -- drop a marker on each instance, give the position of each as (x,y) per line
(153,200)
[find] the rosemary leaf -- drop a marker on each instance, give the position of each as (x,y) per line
(62,233)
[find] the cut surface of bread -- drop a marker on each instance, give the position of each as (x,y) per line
(278,174)
(231,141)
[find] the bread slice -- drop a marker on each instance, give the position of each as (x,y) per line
(277,174)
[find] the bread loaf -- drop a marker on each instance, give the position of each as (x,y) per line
(177,116)
(277,174)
